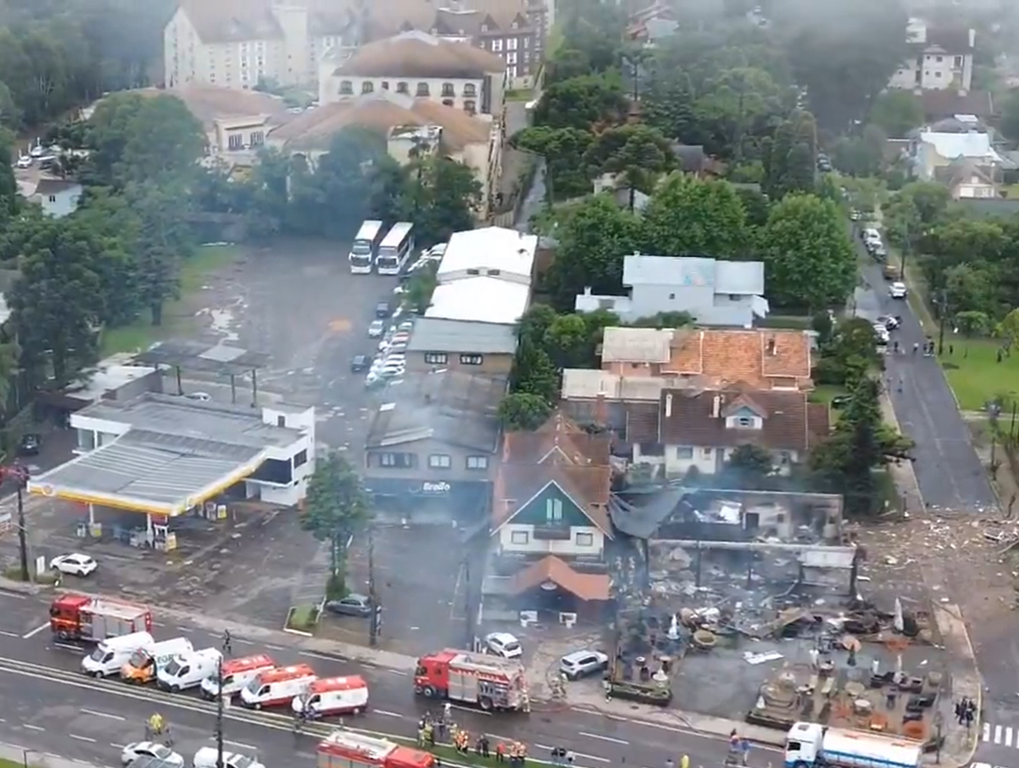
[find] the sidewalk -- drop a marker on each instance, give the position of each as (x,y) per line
(12,753)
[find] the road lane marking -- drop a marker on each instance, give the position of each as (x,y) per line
(1008,736)
(997,734)
(82,738)
(592,757)
(242,641)
(987,731)
(275,647)
(314,655)
(68,647)
(5,633)
(239,744)
(468,709)
(116,746)
(399,672)
(387,714)
(33,727)
(603,738)
(15,595)
(102,714)
(35,631)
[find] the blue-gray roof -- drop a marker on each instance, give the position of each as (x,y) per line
(743,277)
(434,334)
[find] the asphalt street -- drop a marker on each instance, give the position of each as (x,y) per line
(948,470)
(32,665)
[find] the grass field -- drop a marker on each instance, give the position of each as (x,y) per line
(975,374)
(177,315)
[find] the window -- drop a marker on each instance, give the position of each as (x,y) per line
(301,458)
(497,45)
(385,85)
(554,511)
(744,421)
(520,537)
(477,462)
(397,460)
(257,138)
(707,453)
(448,89)
(672,295)
(435,358)
(402,88)
(235,141)
(53,198)
(511,43)
(422,89)
(471,359)
(281,421)
(484,27)
(734,297)
(527,42)
(585,539)
(785,457)
(473,271)
(940,59)
(684,452)
(440,461)
(470,89)
(938,73)
(958,62)
(470,107)
(346,88)
(367,86)
(511,58)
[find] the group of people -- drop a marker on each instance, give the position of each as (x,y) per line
(515,753)
(965,711)
(739,749)
(562,756)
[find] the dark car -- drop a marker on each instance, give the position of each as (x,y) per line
(382,310)
(351,605)
(840,401)
(360,363)
(30,445)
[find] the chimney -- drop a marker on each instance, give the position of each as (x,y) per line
(668,406)
(771,346)
(587,290)
(716,407)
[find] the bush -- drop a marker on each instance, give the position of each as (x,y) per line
(336,587)
(303,617)
(13,573)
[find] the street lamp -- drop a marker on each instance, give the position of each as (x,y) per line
(220,704)
(19,475)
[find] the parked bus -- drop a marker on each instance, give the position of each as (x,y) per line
(365,247)
(396,249)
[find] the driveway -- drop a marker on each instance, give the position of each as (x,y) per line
(948,470)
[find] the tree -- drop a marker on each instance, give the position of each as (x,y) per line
(971,323)
(336,507)
(523,411)
(636,154)
(10,114)
(582,101)
(591,250)
(534,373)
(564,150)
(809,262)
(421,287)
(843,67)
(567,341)
(790,157)
(451,196)
(749,465)
(1008,329)
(667,104)
(848,351)
(897,112)
(1010,116)
(860,443)
(687,216)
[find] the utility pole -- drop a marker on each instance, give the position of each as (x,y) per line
(468,614)
(220,703)
(942,316)
(376,609)
(19,475)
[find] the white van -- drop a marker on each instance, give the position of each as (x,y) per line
(334,696)
(188,669)
(111,654)
(237,673)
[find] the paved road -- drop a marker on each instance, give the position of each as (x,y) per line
(32,666)
(948,470)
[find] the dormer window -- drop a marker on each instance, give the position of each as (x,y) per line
(484,27)
(744,421)
(346,88)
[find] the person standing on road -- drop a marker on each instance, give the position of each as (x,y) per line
(684,761)
(669,763)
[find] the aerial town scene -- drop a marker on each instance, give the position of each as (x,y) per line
(596,383)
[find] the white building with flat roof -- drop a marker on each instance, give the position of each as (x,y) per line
(489,252)
(482,299)
(165,455)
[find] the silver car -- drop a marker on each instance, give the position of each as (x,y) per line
(581,663)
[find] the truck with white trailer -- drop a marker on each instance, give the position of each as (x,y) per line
(812,745)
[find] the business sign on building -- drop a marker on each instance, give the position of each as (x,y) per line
(435,489)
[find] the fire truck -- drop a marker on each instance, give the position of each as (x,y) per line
(343,749)
(80,617)
(491,682)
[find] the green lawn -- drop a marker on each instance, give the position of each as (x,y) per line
(177,315)
(521,95)
(976,376)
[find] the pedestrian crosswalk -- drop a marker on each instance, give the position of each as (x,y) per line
(1001,735)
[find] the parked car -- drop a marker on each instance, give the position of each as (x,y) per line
(351,605)
(200,397)
(890,322)
(30,445)
(360,363)
(25,161)
(75,564)
(376,329)
(504,644)
(581,663)
(208,757)
(382,310)
(150,749)
(897,290)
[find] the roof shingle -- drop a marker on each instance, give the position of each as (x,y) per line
(416,54)
(586,586)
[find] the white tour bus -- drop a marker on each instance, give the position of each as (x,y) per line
(395,249)
(365,246)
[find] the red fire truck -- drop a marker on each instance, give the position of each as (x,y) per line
(491,682)
(343,749)
(80,617)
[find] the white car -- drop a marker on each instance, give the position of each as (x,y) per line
(437,250)
(504,644)
(199,397)
(150,749)
(580,663)
(75,564)
(37,151)
(207,757)
(399,290)
(897,290)
(376,329)
(25,161)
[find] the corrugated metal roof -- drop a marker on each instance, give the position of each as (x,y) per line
(482,299)
(742,277)
(435,334)
(637,345)
(506,251)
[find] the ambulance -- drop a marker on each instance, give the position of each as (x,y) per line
(334,696)
(277,687)
(237,673)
